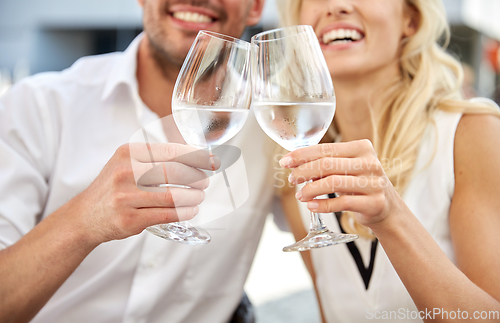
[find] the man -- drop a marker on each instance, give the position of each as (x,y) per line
(71,215)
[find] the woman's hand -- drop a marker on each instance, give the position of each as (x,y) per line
(353,171)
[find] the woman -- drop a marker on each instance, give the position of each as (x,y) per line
(424,195)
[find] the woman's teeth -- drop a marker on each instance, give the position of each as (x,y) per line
(191,17)
(339,36)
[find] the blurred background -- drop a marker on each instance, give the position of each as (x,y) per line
(49,35)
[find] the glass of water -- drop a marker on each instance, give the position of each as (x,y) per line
(210,105)
(294,103)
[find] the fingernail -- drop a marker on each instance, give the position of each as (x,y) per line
(187,213)
(312,205)
(215,162)
(193,212)
(291,178)
(286,161)
(298,196)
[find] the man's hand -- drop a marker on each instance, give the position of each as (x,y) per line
(112,207)
(128,196)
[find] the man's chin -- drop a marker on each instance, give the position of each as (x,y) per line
(168,54)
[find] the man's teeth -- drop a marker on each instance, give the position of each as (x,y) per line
(341,36)
(191,16)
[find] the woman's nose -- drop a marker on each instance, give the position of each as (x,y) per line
(339,8)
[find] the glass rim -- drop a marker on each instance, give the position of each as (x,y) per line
(224,37)
(297,27)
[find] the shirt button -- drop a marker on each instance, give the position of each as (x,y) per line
(135,320)
(151,264)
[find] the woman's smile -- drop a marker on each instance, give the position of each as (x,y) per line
(339,36)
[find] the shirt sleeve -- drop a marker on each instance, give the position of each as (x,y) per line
(25,125)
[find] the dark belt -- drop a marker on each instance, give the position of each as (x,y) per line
(244,313)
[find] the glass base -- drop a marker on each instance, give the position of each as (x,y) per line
(181,232)
(320,239)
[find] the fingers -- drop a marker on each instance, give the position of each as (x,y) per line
(187,155)
(328,166)
(350,149)
(341,184)
(356,203)
(114,199)
(168,198)
(152,216)
(130,212)
(173,173)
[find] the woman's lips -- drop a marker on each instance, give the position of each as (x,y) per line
(340,35)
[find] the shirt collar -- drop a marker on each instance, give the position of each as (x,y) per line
(124,70)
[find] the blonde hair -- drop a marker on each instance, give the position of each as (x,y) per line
(431,79)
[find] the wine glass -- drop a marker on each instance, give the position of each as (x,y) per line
(294,103)
(210,105)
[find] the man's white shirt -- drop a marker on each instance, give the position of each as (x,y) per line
(57,131)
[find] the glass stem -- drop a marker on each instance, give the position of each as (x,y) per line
(317,223)
(229,192)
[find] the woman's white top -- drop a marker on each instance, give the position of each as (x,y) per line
(343,294)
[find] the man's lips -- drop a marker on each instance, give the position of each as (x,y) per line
(191,16)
